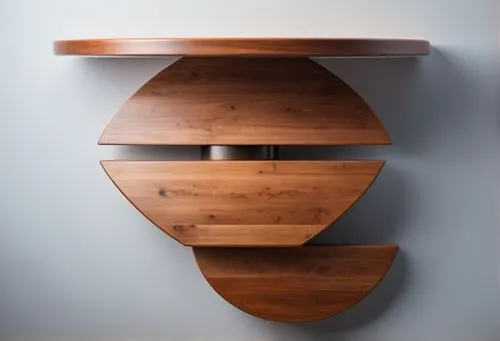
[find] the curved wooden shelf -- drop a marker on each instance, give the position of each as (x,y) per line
(245,101)
(295,284)
(251,47)
(242,203)
(254,204)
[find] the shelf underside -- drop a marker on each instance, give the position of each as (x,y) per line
(250,47)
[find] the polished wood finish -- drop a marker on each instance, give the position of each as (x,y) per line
(250,47)
(295,284)
(245,101)
(242,203)
(221,206)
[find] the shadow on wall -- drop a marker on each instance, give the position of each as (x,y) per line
(416,99)
(412,99)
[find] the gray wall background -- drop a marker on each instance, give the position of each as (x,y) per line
(78,262)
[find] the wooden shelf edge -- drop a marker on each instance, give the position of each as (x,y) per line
(244,47)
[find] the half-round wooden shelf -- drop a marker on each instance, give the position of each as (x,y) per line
(249,47)
(245,101)
(295,284)
(242,203)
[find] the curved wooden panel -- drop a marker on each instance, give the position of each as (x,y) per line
(242,47)
(295,284)
(242,203)
(245,101)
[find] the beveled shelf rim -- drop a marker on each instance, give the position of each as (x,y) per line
(244,47)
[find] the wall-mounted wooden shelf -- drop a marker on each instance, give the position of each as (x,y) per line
(245,101)
(248,214)
(242,203)
(295,284)
(247,47)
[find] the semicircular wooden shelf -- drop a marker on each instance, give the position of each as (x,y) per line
(295,284)
(250,47)
(234,212)
(245,101)
(242,203)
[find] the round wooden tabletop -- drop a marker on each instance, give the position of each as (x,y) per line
(244,47)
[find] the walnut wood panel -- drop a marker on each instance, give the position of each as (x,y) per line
(295,284)
(242,203)
(242,47)
(245,101)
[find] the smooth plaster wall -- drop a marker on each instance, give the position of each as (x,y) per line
(78,262)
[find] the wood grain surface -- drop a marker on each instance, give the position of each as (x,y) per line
(242,203)
(295,284)
(283,47)
(245,101)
